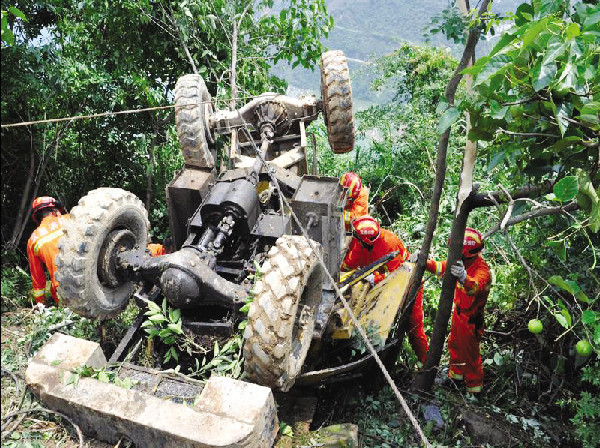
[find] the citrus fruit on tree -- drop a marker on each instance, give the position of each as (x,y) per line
(535,326)
(584,348)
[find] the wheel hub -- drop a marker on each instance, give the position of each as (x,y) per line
(116,242)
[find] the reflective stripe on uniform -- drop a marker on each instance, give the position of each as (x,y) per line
(46,239)
(472,291)
(474,389)
(438,267)
(38,292)
(454,376)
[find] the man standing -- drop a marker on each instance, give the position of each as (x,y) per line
(471,293)
(369,243)
(358,198)
(42,246)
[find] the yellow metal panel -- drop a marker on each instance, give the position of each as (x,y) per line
(376,307)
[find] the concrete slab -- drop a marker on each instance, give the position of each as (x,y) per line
(228,413)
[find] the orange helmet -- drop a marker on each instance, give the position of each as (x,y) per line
(352,182)
(43,203)
(366,229)
(473,243)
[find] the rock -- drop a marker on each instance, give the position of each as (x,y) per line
(483,431)
(339,436)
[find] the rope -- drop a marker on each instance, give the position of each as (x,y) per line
(108,114)
(339,294)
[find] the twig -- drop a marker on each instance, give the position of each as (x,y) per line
(40,409)
(527,134)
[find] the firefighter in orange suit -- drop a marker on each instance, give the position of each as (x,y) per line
(42,246)
(358,198)
(471,293)
(369,243)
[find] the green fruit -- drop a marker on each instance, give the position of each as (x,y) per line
(535,326)
(584,348)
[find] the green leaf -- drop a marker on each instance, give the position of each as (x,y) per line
(543,74)
(17,13)
(496,160)
(568,78)
(498,359)
(573,30)
(533,32)
(565,313)
(566,189)
(559,248)
(441,107)
(555,49)
(176,328)
(495,65)
(56,362)
(103,376)
(447,119)
(561,320)
(580,296)
(157,318)
(563,113)
(73,379)
(558,281)
(245,308)
(589,317)
(153,306)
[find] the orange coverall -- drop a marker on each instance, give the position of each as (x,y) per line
(466,328)
(357,208)
(42,248)
(156,249)
(359,256)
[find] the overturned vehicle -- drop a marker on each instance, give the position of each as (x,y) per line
(265,212)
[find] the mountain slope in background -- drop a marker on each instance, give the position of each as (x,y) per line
(366,29)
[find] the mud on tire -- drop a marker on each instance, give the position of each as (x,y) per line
(99,213)
(281,318)
(336,92)
(192,107)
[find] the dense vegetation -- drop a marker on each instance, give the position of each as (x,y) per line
(534,111)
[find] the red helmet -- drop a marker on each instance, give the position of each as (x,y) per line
(473,243)
(352,182)
(43,203)
(366,229)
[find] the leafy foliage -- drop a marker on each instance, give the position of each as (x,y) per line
(72,58)
(538,102)
(165,323)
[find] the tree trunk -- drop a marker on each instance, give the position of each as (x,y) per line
(424,380)
(22,217)
(152,164)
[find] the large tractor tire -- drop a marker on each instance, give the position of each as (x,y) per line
(106,221)
(336,92)
(192,109)
(282,315)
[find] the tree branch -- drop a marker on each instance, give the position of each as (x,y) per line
(484,199)
(533,214)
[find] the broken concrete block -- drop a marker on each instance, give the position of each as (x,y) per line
(108,412)
(67,352)
(244,402)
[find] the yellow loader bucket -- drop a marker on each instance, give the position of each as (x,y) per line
(376,308)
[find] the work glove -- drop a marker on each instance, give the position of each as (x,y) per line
(412,258)
(459,271)
(371,279)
